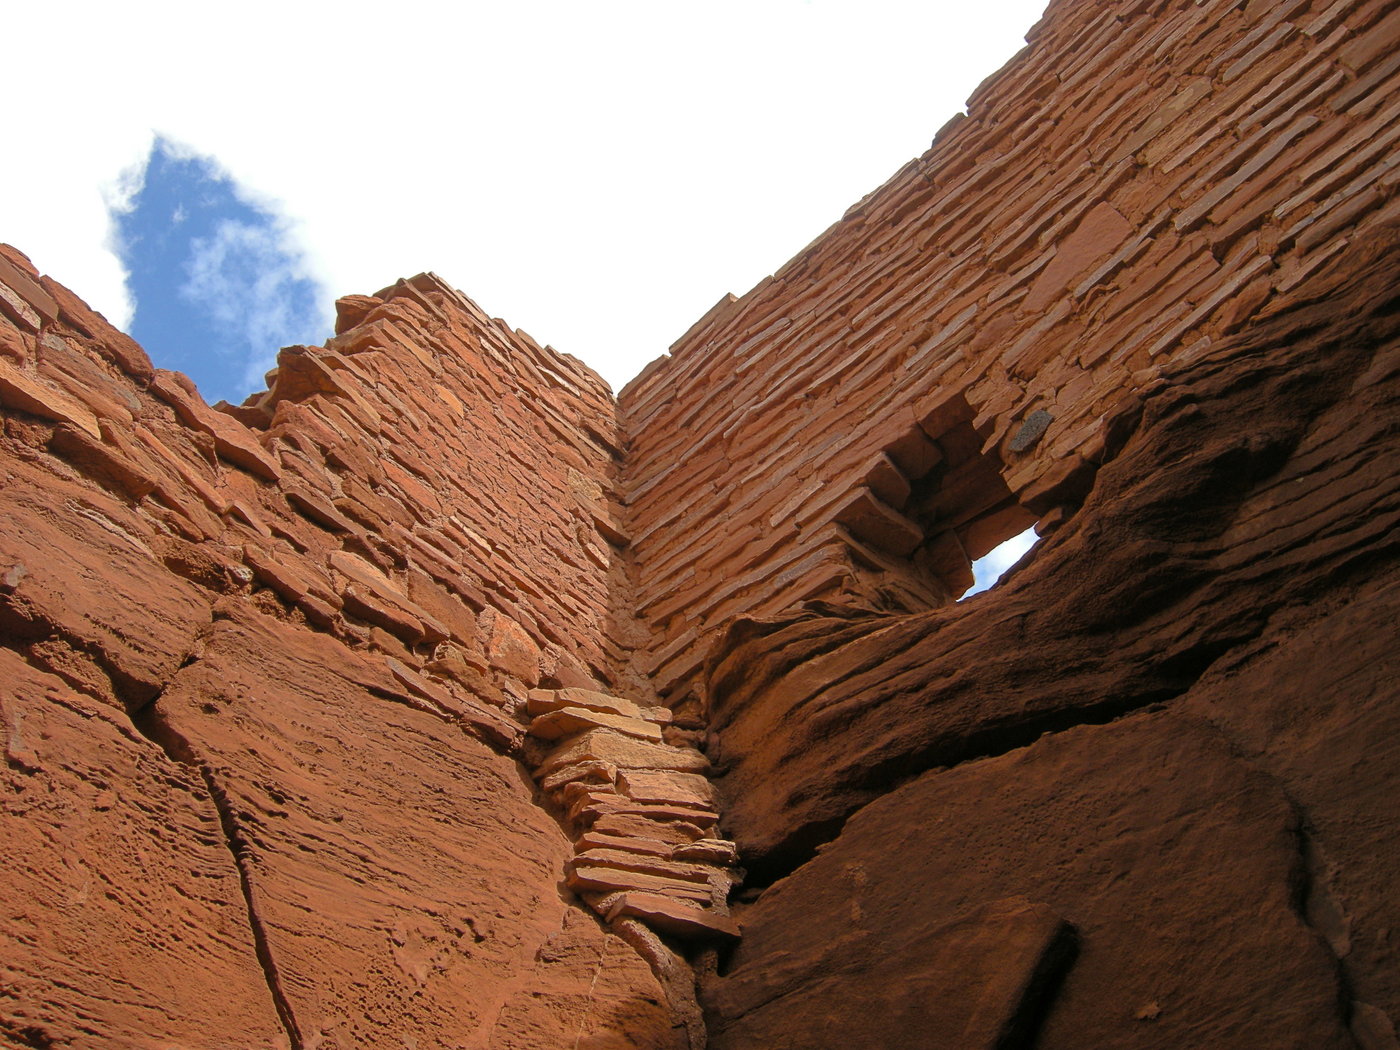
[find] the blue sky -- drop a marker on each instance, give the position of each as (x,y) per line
(987,570)
(597,174)
(217,283)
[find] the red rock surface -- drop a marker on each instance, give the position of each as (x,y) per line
(1136,186)
(434,698)
(262,667)
(1174,727)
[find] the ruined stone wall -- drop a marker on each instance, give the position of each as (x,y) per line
(489,464)
(330,718)
(262,666)
(1140,793)
(944,365)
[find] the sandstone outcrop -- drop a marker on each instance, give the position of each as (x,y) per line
(1162,731)
(434,697)
(264,667)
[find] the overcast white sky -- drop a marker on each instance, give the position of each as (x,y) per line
(596,173)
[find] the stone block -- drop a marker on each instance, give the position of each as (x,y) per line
(623,752)
(569,721)
(675,917)
(689,789)
(22,391)
(543,701)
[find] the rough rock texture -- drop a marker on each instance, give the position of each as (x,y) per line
(1197,537)
(124,920)
(262,670)
(944,365)
(434,698)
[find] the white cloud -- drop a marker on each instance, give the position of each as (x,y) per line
(248,278)
(598,174)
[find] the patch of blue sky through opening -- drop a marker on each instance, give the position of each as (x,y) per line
(987,570)
(217,281)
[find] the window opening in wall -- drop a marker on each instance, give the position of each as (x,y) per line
(934,519)
(988,569)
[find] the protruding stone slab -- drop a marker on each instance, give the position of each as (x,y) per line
(632,844)
(687,789)
(591,805)
(542,701)
(377,599)
(875,521)
(600,878)
(20,390)
(699,874)
(294,583)
(29,291)
(232,440)
(582,772)
(674,917)
(103,462)
(569,721)
(720,852)
(679,832)
(495,728)
(624,752)
(13,306)
(350,310)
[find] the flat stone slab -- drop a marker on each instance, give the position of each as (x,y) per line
(674,917)
(689,789)
(602,878)
(542,701)
(603,745)
(570,721)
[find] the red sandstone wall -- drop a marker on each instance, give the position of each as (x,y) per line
(1141,182)
(481,466)
(261,668)
(267,779)
(1139,794)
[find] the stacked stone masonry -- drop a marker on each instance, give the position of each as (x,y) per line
(642,810)
(273,663)
(1140,183)
(434,697)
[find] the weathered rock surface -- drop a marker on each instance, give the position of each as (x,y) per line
(403,881)
(435,698)
(1177,865)
(124,921)
(1208,526)
(263,779)
(1227,593)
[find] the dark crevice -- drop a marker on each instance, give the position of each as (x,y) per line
(1311,899)
(1022,1028)
(27,630)
(29,1035)
(150,722)
(1313,903)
